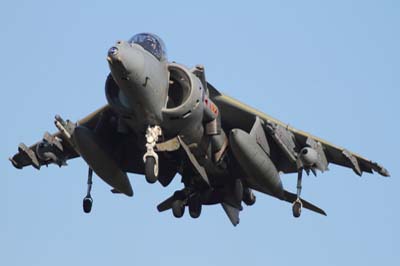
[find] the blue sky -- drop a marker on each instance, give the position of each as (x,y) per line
(331,69)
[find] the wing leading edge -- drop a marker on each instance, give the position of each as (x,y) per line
(239,115)
(59,147)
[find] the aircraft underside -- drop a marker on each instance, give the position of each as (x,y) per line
(164,120)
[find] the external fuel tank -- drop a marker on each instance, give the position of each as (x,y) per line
(261,173)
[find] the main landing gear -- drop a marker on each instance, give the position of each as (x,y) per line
(150,158)
(194,203)
(183,199)
(87,200)
(178,208)
(297,204)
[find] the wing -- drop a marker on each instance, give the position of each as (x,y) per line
(287,141)
(55,148)
(123,148)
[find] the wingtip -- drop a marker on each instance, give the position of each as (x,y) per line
(384,172)
(380,169)
(129,193)
(14,163)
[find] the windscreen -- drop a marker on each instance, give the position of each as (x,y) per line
(151,43)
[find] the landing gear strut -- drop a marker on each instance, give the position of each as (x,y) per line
(297,204)
(150,158)
(87,200)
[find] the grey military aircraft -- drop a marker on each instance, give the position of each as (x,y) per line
(164,119)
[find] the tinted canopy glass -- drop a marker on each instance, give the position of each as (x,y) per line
(151,43)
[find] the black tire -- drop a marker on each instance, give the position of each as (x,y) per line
(87,204)
(297,209)
(178,208)
(150,164)
(194,206)
(248,197)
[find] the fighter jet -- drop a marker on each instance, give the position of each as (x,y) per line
(164,120)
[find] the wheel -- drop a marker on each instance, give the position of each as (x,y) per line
(151,169)
(87,204)
(297,205)
(195,213)
(194,206)
(178,208)
(248,197)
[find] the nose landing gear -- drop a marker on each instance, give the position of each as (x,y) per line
(150,158)
(151,168)
(88,200)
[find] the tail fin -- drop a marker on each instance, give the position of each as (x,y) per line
(291,197)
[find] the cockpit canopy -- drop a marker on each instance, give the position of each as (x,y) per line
(151,43)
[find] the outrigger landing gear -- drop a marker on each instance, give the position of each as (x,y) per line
(297,204)
(150,158)
(87,200)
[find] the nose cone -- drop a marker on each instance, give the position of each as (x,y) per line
(113,51)
(142,80)
(126,62)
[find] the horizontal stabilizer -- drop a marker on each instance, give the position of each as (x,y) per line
(291,197)
(233,213)
(166,204)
